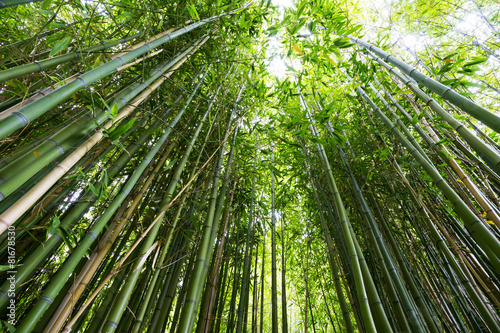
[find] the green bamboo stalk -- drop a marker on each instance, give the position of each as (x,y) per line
(11,3)
(34,110)
(27,325)
(262,276)
(453,267)
(478,230)
(52,243)
(488,118)
(245,290)
(334,270)
(210,227)
(339,207)
(387,261)
(170,191)
(483,150)
(432,142)
(417,296)
(467,215)
(284,308)
(255,301)
(18,171)
(274,280)
(39,66)
(380,317)
(126,291)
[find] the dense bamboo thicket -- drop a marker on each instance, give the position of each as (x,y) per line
(317,166)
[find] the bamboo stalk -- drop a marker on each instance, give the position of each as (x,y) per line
(34,110)
(453,164)
(157,36)
(488,118)
(483,150)
(478,230)
(367,317)
(105,244)
(36,96)
(135,62)
(39,66)
(31,197)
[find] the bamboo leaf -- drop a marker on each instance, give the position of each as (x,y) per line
(121,130)
(93,189)
(60,46)
(476,61)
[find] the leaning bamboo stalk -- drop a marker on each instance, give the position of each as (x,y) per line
(491,214)
(30,112)
(107,241)
(54,287)
(481,233)
(138,60)
(334,270)
(11,3)
(62,275)
(488,118)
(120,264)
(465,180)
(39,66)
(125,293)
(462,272)
(149,40)
(345,224)
(483,150)
(32,196)
(387,265)
(206,246)
(35,97)
(17,172)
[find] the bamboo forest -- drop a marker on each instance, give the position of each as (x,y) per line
(321,166)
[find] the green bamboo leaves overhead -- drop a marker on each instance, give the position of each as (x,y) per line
(248,167)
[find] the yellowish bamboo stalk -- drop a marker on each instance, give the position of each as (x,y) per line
(161,34)
(490,212)
(138,60)
(66,306)
(120,264)
(31,197)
